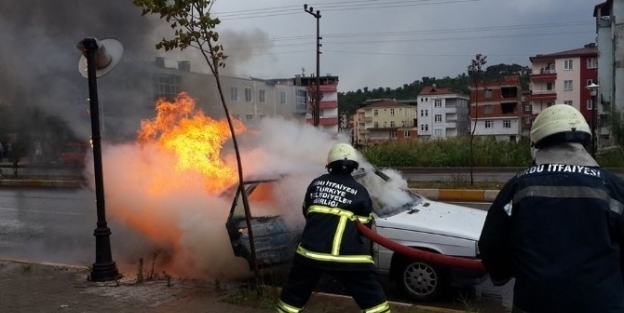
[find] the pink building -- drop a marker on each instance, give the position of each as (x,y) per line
(328,117)
(562,77)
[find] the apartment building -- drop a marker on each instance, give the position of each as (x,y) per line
(442,113)
(563,77)
(499,109)
(328,114)
(249,99)
(610,57)
(384,120)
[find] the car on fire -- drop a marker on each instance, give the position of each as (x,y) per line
(400,214)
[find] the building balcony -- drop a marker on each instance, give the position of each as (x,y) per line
(329,104)
(450,110)
(547,95)
(547,75)
(324,121)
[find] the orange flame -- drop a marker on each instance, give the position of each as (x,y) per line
(195,139)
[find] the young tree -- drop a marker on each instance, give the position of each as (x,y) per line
(475,71)
(195,27)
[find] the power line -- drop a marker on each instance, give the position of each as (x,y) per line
(432,31)
(336,6)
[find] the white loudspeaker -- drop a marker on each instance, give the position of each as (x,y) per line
(107,56)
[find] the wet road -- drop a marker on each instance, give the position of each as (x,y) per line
(56,225)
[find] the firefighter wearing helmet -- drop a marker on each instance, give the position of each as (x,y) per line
(330,243)
(557,227)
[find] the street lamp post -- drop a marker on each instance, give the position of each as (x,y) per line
(99,58)
(316,110)
(593,90)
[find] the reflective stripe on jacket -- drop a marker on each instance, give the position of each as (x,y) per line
(332,206)
(558,229)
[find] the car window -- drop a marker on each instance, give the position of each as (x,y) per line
(260,196)
(390,196)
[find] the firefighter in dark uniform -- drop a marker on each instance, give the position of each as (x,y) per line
(330,243)
(557,226)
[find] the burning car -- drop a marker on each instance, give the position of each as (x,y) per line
(399,214)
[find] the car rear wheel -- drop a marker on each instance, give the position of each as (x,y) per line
(421,281)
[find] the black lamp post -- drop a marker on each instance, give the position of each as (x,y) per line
(99,58)
(316,110)
(593,90)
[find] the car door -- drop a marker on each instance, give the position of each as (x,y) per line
(275,240)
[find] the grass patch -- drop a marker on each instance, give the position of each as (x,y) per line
(262,298)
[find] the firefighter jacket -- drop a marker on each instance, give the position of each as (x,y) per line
(558,230)
(332,206)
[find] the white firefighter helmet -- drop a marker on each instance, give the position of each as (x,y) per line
(342,152)
(559,123)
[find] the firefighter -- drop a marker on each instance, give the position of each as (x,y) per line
(557,226)
(330,243)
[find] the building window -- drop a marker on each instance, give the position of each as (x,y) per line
(527,108)
(426,127)
(592,63)
(166,86)
(261,95)
(406,134)
(567,64)
(488,93)
(527,120)
(487,109)
(393,134)
(422,112)
(568,102)
(548,104)
(392,124)
(506,124)
(248,94)
(426,112)
(376,125)
(438,132)
(590,104)
(549,86)
(375,112)
(438,103)
(249,117)
(488,124)
(589,82)
(234,94)
(438,118)
(567,85)
(422,126)
(391,112)
(282,97)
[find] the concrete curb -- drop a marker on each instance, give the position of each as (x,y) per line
(460,195)
(59,265)
(36,183)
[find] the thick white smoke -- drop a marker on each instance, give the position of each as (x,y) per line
(179,216)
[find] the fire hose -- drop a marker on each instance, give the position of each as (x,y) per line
(422,255)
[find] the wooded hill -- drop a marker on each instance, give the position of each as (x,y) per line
(350,101)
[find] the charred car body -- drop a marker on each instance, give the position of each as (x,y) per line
(399,214)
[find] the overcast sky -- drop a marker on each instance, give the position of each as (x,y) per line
(388,43)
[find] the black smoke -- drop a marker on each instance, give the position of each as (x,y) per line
(39,62)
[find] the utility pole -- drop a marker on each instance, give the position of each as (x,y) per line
(316,109)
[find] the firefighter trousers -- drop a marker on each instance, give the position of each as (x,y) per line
(362,285)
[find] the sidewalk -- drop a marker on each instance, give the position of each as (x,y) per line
(37,287)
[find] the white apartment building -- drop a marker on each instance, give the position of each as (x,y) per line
(442,113)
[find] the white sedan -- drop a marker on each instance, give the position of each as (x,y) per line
(400,215)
